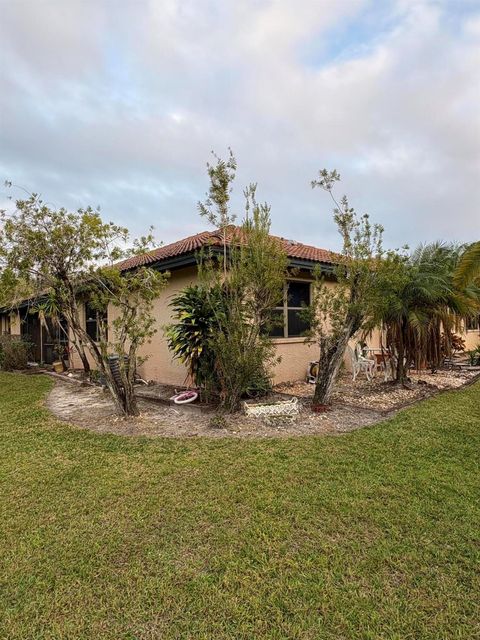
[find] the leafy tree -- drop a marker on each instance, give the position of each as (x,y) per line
(419,306)
(59,252)
(468,267)
(234,355)
(216,207)
(338,312)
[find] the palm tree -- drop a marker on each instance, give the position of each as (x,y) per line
(421,307)
(468,267)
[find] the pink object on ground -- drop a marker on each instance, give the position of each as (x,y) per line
(185,397)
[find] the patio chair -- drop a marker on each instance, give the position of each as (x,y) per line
(386,363)
(360,363)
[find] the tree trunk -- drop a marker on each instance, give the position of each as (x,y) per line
(123,395)
(130,406)
(127,372)
(83,357)
(330,361)
(73,322)
(401,370)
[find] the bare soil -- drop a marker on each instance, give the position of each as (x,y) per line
(354,405)
(91,408)
(384,396)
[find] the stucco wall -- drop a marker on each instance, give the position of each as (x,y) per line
(472,339)
(160,365)
(295,356)
(15,328)
(295,353)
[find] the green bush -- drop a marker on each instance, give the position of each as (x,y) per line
(197,311)
(474,357)
(13,352)
(222,327)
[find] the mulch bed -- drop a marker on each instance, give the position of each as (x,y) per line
(354,405)
(383,396)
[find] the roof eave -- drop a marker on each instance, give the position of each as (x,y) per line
(191,259)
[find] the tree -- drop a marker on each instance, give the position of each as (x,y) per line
(338,312)
(468,267)
(235,354)
(59,252)
(216,207)
(419,306)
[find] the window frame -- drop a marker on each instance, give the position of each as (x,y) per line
(94,321)
(476,320)
(6,324)
(285,308)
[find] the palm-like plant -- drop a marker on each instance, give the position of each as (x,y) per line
(468,267)
(421,306)
(196,313)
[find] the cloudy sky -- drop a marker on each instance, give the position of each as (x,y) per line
(118,103)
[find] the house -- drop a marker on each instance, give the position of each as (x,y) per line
(180,259)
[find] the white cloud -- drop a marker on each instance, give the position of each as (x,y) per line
(119,104)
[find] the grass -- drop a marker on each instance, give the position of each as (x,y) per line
(374,534)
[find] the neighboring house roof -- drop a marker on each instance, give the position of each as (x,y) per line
(297,251)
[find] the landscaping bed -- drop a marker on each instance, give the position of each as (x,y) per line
(384,396)
(92,408)
(355,404)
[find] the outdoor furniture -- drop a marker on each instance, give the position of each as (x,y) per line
(384,362)
(360,363)
(312,374)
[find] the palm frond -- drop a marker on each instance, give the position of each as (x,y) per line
(468,268)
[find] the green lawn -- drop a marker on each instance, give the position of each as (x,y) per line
(374,534)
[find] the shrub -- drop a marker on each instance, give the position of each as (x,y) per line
(221,332)
(13,352)
(196,311)
(474,357)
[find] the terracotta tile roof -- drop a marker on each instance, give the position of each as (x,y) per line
(194,243)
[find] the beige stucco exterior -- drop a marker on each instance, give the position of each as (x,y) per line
(472,339)
(294,353)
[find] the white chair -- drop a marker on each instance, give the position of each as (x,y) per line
(360,363)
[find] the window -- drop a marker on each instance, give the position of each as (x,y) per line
(5,323)
(92,318)
(473,323)
(287,318)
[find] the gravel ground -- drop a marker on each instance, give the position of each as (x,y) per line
(91,408)
(381,396)
(354,405)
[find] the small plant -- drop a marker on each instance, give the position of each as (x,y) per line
(260,385)
(196,310)
(14,352)
(474,357)
(218,421)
